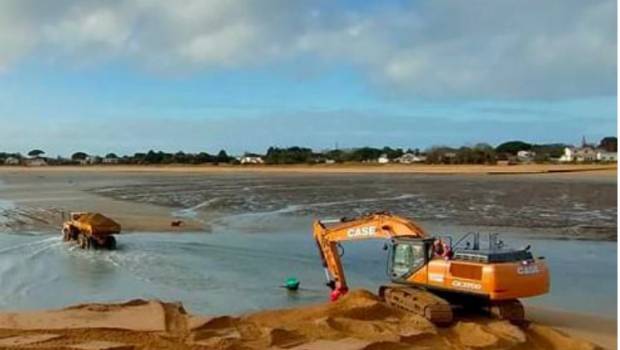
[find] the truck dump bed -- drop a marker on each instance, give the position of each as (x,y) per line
(96,224)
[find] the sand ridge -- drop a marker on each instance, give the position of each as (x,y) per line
(358,321)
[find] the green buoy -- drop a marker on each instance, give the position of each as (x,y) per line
(291,283)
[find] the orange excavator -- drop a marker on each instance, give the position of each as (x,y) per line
(431,276)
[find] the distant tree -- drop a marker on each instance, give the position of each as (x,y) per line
(223,157)
(111,156)
(137,158)
(200,158)
(513,147)
(393,153)
(35,153)
(153,157)
(441,155)
(291,155)
(79,156)
(336,155)
(547,151)
(484,154)
(365,154)
(609,144)
(180,157)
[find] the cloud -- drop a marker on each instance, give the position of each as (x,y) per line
(438,49)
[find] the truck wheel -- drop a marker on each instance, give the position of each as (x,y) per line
(73,234)
(110,243)
(84,241)
(65,234)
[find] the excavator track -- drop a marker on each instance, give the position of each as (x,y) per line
(510,310)
(419,302)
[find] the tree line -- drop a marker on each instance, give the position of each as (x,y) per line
(481,153)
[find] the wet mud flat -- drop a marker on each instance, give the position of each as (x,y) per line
(562,205)
(570,205)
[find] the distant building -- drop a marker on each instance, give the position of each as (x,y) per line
(580,155)
(568,156)
(383,159)
(248,159)
(37,161)
(525,156)
(330,161)
(90,160)
(110,160)
(12,161)
(604,156)
(449,155)
(409,158)
(586,154)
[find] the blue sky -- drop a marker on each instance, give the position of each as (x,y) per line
(126,77)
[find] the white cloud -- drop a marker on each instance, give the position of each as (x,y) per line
(476,48)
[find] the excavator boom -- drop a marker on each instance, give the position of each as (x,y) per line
(329,233)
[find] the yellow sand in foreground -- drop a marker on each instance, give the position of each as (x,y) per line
(341,168)
(357,321)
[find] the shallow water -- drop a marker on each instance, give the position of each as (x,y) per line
(240,268)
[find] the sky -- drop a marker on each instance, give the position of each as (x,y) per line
(204,75)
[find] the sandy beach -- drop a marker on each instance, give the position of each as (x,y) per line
(357,321)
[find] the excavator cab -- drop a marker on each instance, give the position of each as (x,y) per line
(406,256)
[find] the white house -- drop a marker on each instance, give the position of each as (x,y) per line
(409,158)
(604,156)
(525,156)
(11,161)
(568,156)
(251,160)
(110,161)
(383,159)
(90,160)
(584,154)
(37,161)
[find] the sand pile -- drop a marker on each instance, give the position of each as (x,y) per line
(358,321)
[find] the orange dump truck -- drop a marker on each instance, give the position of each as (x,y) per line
(91,230)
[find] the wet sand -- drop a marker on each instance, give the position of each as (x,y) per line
(357,321)
(40,200)
(580,205)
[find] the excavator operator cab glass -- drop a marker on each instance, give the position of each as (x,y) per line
(406,257)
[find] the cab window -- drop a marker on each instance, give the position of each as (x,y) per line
(407,258)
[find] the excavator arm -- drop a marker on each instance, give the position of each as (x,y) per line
(329,233)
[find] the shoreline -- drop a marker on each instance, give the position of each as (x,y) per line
(438,169)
